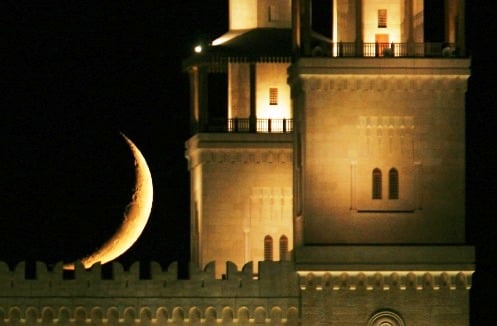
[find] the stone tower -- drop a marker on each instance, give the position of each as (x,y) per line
(335,160)
(240,155)
(379,162)
(343,152)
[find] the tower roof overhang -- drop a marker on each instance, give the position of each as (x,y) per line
(255,45)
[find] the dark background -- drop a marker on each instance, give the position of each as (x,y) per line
(73,74)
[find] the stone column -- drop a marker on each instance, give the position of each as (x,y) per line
(246,243)
(297,27)
(253,113)
(359,28)
(305,26)
(409,12)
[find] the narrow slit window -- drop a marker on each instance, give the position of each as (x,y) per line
(274,14)
(273,96)
(382,18)
(376,184)
(283,247)
(268,248)
(393,184)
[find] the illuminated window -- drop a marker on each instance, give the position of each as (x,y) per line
(382,18)
(273,96)
(283,246)
(393,184)
(376,183)
(268,248)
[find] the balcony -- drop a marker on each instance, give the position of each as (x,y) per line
(247,125)
(413,50)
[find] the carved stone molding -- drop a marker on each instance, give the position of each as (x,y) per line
(187,314)
(369,281)
(245,157)
(383,83)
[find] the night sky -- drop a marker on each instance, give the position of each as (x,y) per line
(76,73)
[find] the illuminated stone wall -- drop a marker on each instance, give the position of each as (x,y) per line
(246,14)
(401,17)
(273,75)
(86,298)
(400,298)
(268,75)
(358,115)
(241,193)
(279,295)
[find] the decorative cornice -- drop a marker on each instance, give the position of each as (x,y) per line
(384,66)
(385,280)
(383,83)
(239,148)
(246,157)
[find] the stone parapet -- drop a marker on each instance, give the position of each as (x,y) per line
(86,297)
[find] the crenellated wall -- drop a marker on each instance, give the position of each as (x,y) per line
(87,297)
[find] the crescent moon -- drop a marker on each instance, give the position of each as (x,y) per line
(136,215)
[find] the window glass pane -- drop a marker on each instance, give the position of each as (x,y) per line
(283,246)
(273,96)
(376,184)
(393,184)
(382,18)
(268,248)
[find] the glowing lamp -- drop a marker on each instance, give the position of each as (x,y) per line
(198,49)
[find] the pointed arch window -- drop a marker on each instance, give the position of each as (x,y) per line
(393,184)
(268,248)
(376,191)
(283,247)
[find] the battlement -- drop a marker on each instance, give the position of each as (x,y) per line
(50,296)
(92,282)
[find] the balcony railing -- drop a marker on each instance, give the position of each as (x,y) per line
(246,125)
(353,49)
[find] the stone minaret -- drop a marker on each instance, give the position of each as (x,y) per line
(363,132)
(380,162)
(240,153)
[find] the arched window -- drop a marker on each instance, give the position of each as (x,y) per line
(377,184)
(283,247)
(268,248)
(393,184)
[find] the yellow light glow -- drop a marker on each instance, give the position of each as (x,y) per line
(391,33)
(198,49)
(272,109)
(135,216)
(228,36)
